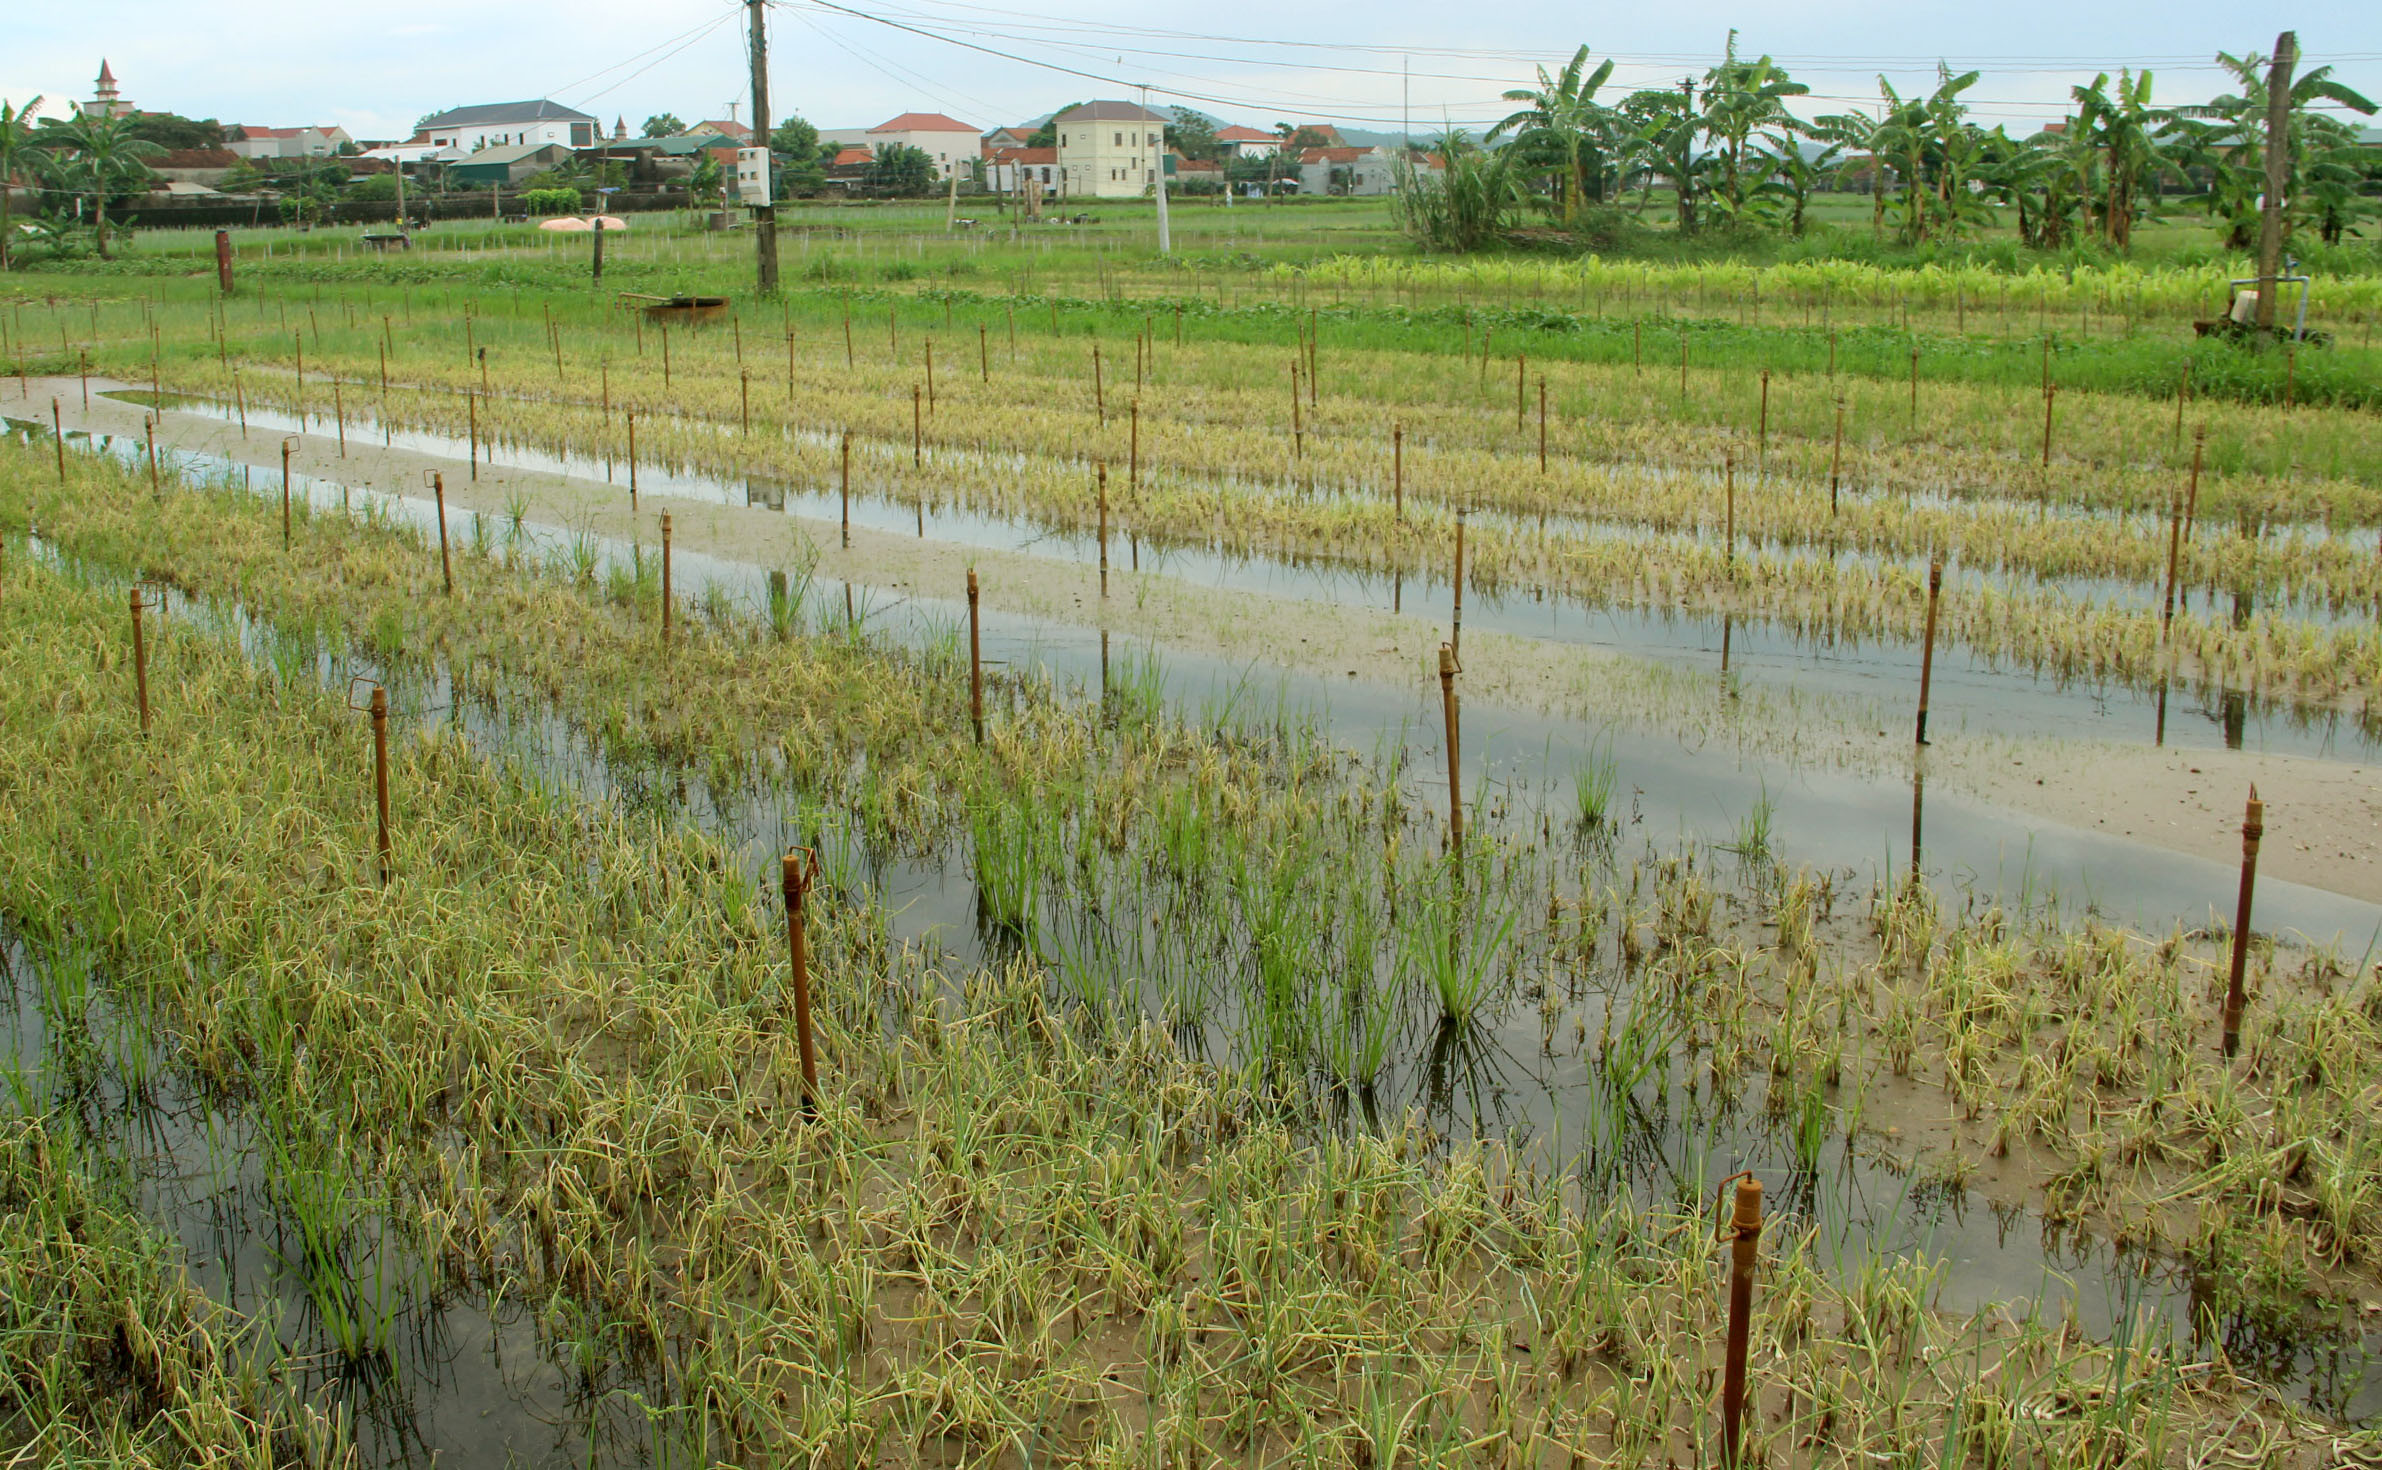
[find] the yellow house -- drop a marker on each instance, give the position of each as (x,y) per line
(1109,150)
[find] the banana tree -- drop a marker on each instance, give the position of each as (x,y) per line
(1795,175)
(16,157)
(2125,132)
(1741,99)
(2227,137)
(1563,123)
(105,154)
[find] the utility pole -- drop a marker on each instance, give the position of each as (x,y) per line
(1165,237)
(2278,177)
(764,214)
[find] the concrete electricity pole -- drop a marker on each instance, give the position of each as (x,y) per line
(1165,237)
(764,214)
(2278,176)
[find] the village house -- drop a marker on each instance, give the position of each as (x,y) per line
(1241,142)
(1109,150)
(449,136)
(250,141)
(1009,170)
(952,145)
(1361,172)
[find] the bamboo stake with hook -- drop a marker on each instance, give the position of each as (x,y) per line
(1449,706)
(446,564)
(975,662)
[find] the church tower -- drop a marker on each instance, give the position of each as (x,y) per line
(108,101)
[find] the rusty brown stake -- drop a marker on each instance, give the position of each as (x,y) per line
(632,460)
(797,869)
(58,438)
(1745,1235)
(380,777)
(1542,424)
(2253,830)
(1935,592)
(446,563)
(149,443)
(140,661)
(847,489)
(285,496)
(975,662)
(1398,471)
(1448,669)
(2050,394)
(983,354)
(1836,459)
(665,579)
(1103,471)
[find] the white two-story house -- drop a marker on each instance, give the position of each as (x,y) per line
(462,131)
(1109,150)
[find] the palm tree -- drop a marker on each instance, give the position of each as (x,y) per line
(1562,118)
(106,153)
(16,154)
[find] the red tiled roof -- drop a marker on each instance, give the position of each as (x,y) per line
(1238,134)
(1330,155)
(848,157)
(1025,155)
(247,130)
(722,127)
(922,122)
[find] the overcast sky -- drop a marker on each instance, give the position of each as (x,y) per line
(375,70)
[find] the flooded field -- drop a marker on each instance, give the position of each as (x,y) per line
(1188,1074)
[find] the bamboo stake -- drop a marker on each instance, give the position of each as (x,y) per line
(1099,387)
(1398,471)
(1298,434)
(2050,394)
(285,495)
(1762,435)
(665,579)
(1103,491)
(1836,459)
(1745,1234)
(983,354)
(149,442)
(140,662)
(917,430)
(797,870)
(1448,669)
(1542,423)
(1521,363)
(1728,490)
(446,562)
(2253,830)
(930,374)
(1935,591)
(472,402)
(2174,559)
(1133,462)
(744,401)
(975,662)
(846,489)
(1456,632)
(632,416)
(58,438)
(339,416)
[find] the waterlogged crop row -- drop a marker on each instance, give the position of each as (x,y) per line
(1009,1220)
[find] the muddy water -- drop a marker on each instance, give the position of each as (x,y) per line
(1657,1139)
(1972,692)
